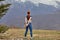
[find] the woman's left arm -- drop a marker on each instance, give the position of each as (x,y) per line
(30,20)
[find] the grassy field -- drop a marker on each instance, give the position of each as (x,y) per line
(37,34)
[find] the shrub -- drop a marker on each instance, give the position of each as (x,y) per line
(3,28)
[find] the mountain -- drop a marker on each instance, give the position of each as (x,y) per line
(47,21)
(44,16)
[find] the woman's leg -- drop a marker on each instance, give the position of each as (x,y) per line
(30,27)
(26,31)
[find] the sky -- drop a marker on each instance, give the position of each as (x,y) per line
(48,2)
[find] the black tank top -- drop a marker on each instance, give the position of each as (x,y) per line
(28,17)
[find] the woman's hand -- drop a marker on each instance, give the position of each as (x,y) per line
(25,25)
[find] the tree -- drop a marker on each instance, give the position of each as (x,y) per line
(3,9)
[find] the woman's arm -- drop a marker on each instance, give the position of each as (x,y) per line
(26,22)
(30,20)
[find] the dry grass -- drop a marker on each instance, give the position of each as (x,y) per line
(37,34)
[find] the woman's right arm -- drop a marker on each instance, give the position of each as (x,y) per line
(26,22)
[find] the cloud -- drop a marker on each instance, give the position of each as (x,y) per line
(36,2)
(58,0)
(20,0)
(48,2)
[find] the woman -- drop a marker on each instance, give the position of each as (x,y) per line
(28,24)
